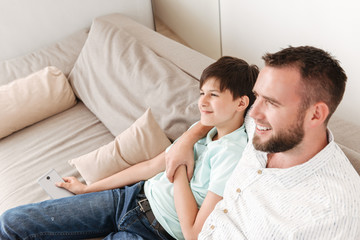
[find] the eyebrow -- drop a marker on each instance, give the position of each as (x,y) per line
(270,99)
(211,90)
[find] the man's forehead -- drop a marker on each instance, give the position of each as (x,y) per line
(277,83)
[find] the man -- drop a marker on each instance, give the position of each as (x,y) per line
(293,181)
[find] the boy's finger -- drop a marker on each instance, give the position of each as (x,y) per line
(60,184)
(67,179)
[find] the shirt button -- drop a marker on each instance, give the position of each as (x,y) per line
(238,190)
(212,227)
(259,172)
(225,211)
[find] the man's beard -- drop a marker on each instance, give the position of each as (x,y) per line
(285,140)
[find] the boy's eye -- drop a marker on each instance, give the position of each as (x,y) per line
(214,95)
(201,93)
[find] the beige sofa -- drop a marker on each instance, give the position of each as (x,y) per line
(117,71)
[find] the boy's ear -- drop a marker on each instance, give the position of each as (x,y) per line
(243,103)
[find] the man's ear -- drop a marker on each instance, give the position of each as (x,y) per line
(243,103)
(318,113)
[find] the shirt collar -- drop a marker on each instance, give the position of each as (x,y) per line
(233,136)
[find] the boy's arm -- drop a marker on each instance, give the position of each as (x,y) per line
(133,174)
(181,153)
(191,218)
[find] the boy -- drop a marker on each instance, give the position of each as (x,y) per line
(148,210)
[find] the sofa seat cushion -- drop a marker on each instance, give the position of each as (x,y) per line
(28,154)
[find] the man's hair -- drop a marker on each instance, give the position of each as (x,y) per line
(323,79)
(234,74)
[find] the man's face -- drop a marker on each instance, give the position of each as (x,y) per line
(279,123)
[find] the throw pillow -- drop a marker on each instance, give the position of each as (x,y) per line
(143,140)
(28,100)
(118,77)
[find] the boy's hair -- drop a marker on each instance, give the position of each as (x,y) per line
(323,79)
(234,74)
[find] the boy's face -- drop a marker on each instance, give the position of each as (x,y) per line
(217,108)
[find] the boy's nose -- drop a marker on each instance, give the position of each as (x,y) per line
(203,101)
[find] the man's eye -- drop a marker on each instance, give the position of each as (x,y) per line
(271,103)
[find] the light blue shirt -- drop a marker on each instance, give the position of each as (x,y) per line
(214,163)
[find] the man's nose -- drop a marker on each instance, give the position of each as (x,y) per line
(255,111)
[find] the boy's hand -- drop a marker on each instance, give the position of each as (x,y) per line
(179,154)
(73,185)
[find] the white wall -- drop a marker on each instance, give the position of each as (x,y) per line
(26,25)
(196,22)
(251,28)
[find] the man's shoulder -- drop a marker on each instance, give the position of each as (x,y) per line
(340,181)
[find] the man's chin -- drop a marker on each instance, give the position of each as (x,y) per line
(259,144)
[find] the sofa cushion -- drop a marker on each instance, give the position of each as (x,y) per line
(118,78)
(142,141)
(28,100)
(189,60)
(28,154)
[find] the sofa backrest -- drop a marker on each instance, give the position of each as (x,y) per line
(62,54)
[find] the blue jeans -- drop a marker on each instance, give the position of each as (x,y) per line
(114,214)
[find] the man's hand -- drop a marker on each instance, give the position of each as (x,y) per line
(73,185)
(182,152)
(179,154)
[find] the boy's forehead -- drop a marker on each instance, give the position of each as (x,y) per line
(212,81)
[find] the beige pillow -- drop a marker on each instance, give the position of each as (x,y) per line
(28,100)
(143,140)
(118,78)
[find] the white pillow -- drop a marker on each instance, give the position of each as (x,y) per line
(143,140)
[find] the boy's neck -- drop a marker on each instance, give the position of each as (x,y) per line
(229,128)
